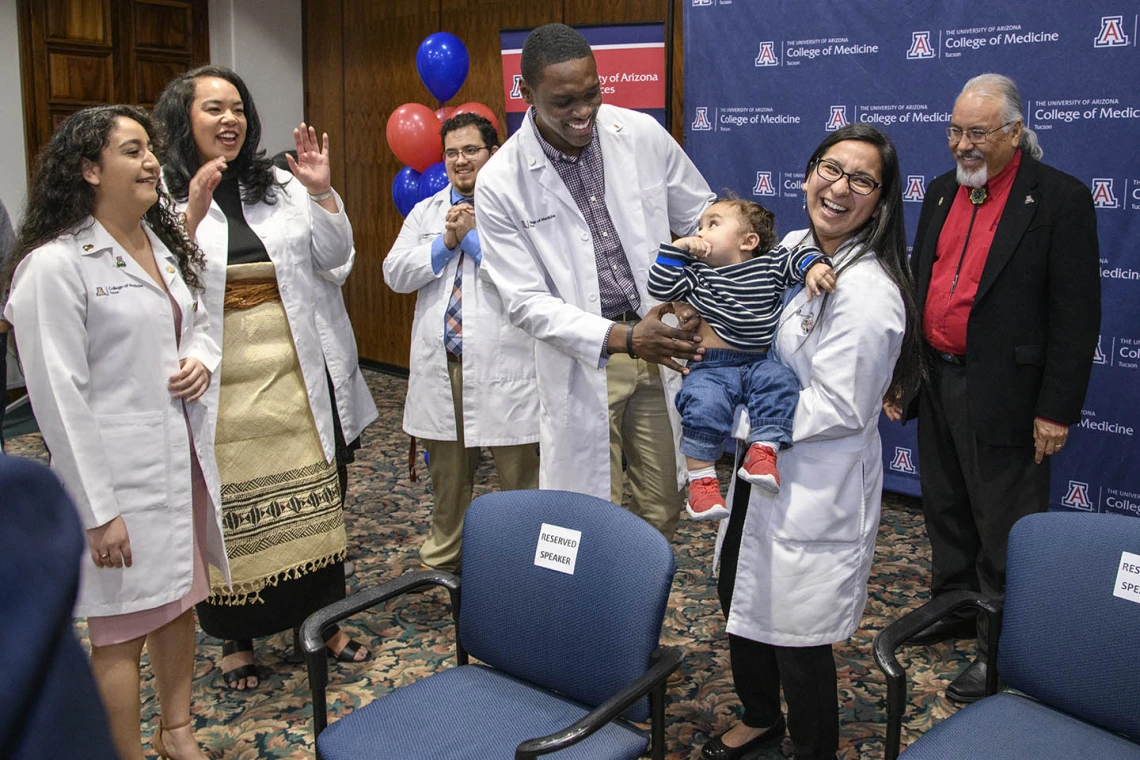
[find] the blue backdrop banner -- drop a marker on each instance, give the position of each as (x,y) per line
(765,82)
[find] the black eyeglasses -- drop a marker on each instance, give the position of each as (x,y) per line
(860,184)
(469,152)
(976,135)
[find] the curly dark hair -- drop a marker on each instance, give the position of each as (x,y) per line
(254,169)
(60,200)
(754,218)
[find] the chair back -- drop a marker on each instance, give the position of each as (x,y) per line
(585,634)
(1067,638)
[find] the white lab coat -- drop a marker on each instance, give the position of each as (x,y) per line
(354,404)
(538,250)
(500,396)
(805,555)
(96,340)
(302,240)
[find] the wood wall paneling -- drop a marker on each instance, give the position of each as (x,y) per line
(360,66)
(77,20)
(78,53)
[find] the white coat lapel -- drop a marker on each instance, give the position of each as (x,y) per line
(95,240)
(547,175)
(621,172)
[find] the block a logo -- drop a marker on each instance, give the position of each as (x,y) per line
(1103,196)
(701,121)
(515,94)
(1098,355)
(1077,497)
(1111,33)
(697,3)
(764,184)
(919,46)
(838,118)
(903,461)
(767,55)
(915,188)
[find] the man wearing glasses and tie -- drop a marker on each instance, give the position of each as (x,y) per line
(471,379)
(1006,264)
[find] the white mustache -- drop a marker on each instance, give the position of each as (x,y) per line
(970,154)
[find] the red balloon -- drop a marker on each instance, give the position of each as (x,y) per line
(413,135)
(444,114)
(480,109)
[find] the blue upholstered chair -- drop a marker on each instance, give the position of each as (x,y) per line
(1067,643)
(567,658)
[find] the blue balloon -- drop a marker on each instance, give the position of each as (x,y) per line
(443,62)
(433,180)
(406,189)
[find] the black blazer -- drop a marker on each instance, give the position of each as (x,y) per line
(1033,327)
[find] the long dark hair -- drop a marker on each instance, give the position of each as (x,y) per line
(60,200)
(254,169)
(884,236)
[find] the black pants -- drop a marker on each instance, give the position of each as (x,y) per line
(807,674)
(972,494)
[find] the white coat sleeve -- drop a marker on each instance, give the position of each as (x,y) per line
(518,274)
(330,236)
(407,267)
(689,193)
(862,332)
(201,346)
(48,311)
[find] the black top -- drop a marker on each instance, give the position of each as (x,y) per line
(245,247)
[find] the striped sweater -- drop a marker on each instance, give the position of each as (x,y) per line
(741,302)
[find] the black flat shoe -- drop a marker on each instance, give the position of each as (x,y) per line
(231,677)
(970,685)
(715,749)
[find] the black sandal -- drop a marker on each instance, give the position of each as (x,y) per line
(348,652)
(231,677)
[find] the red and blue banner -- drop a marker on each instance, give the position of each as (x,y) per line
(631,66)
(765,82)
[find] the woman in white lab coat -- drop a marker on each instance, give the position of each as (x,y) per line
(104,308)
(267,236)
(794,566)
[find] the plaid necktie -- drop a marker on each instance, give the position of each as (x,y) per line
(453,317)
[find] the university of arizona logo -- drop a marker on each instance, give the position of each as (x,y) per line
(838,118)
(919,46)
(915,188)
(764,184)
(1098,356)
(701,2)
(1111,33)
(1077,497)
(767,55)
(903,461)
(515,93)
(1102,193)
(701,119)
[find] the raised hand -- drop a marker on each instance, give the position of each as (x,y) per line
(311,167)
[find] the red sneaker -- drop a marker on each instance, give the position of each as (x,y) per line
(705,501)
(759,468)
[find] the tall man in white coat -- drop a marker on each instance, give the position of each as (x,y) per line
(471,378)
(572,211)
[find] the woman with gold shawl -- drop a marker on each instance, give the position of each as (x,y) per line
(267,235)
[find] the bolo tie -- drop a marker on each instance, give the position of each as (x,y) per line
(978,196)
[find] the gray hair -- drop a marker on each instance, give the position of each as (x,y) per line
(1005,89)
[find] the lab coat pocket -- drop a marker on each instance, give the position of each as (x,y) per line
(136,449)
(822,498)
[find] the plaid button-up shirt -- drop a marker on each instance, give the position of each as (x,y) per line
(584,176)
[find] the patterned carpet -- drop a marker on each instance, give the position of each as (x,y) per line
(387,518)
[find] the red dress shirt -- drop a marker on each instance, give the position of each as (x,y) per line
(959,260)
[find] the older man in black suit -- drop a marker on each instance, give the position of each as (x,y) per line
(1006,265)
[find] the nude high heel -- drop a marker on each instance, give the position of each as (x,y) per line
(156,742)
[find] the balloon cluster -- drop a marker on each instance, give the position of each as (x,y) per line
(413,128)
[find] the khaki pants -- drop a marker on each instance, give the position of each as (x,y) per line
(639,428)
(452,468)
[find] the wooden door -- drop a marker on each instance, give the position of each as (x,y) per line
(80,53)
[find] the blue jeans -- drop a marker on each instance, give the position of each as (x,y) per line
(725,378)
